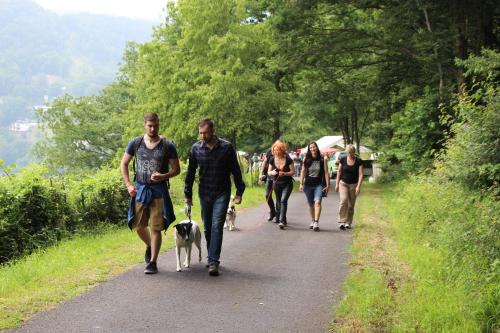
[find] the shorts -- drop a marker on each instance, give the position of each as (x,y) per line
(153,212)
(313,193)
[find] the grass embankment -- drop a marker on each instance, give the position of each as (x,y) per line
(425,259)
(40,281)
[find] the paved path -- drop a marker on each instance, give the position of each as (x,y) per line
(271,281)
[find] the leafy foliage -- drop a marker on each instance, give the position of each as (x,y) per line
(204,62)
(34,214)
(417,134)
(85,132)
(471,157)
(97,198)
(38,211)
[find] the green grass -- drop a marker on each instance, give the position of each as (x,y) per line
(46,278)
(368,302)
(419,264)
(450,238)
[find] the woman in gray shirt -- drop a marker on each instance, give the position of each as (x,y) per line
(314,182)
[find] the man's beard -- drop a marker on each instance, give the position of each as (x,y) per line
(152,136)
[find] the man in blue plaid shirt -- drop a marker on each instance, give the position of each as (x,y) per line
(216,160)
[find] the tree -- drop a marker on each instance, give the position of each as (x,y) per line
(209,59)
(409,49)
(85,132)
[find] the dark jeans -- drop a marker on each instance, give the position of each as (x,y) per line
(213,213)
(282,191)
(269,196)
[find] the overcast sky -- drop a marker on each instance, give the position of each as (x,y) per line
(151,10)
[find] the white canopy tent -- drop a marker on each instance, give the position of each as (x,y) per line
(333,141)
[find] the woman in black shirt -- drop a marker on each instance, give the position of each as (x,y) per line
(348,184)
(281,169)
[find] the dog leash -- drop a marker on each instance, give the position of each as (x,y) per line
(187,211)
(267,199)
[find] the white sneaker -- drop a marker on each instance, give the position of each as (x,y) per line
(342,226)
(347,226)
(281,225)
(311,225)
(315,226)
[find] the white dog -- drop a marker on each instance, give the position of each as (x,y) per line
(230,218)
(186,232)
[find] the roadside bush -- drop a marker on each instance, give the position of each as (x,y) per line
(451,238)
(97,197)
(34,213)
(417,134)
(472,156)
(391,172)
(36,210)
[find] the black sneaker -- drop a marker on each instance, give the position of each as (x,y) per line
(151,268)
(147,255)
(213,270)
(342,226)
(271,216)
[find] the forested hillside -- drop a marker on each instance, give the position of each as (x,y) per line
(43,53)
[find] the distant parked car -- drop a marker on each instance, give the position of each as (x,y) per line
(333,164)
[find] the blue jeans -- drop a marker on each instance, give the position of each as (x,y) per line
(213,214)
(313,193)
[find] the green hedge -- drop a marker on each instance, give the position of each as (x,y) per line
(98,198)
(37,211)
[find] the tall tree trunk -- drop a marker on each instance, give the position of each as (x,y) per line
(278,75)
(345,128)
(352,123)
(436,53)
(487,25)
(276,127)
(344,136)
(460,50)
(355,127)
